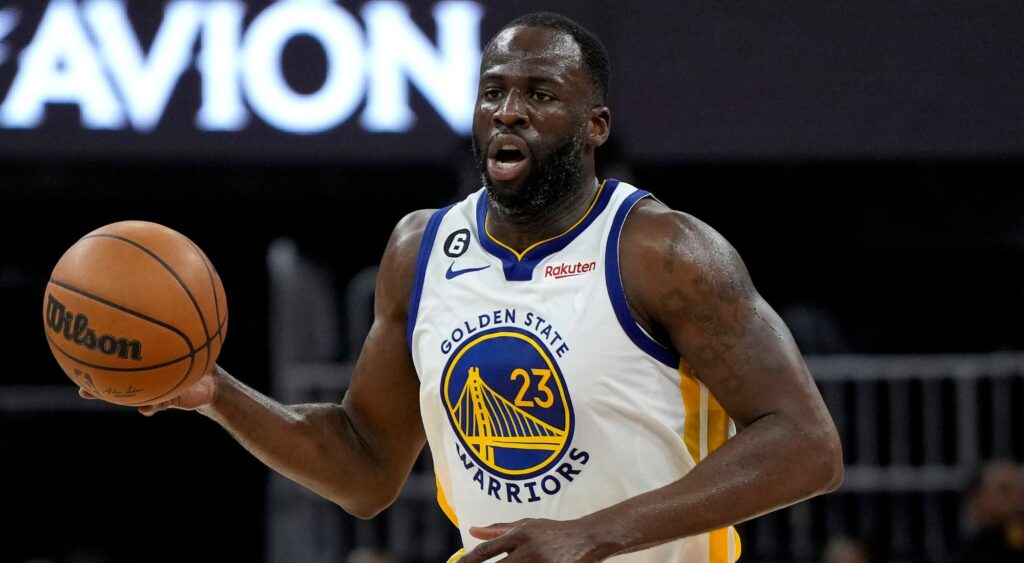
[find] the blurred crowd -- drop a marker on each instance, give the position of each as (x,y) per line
(992,526)
(994,515)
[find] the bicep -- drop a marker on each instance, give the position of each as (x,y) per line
(741,350)
(382,401)
(383,398)
(691,283)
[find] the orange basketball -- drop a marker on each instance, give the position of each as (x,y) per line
(134,312)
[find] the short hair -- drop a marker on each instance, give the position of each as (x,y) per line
(594,55)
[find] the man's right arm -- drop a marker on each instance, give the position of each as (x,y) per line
(357,454)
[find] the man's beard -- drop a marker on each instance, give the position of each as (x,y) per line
(549,180)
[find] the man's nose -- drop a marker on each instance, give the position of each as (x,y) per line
(510,112)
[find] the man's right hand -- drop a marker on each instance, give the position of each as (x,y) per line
(200,394)
(357,454)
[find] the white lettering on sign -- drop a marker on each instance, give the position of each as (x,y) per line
(145,83)
(399,51)
(270,95)
(88,54)
(222,107)
(60,65)
(8,19)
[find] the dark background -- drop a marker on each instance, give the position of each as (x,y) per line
(866,160)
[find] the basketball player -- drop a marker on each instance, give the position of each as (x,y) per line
(576,354)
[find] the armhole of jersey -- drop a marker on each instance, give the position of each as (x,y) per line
(617,294)
(442,501)
(426,245)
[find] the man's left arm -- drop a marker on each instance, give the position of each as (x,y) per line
(684,279)
(685,282)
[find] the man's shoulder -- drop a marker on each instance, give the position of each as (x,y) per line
(410,230)
(413,225)
(652,226)
(398,264)
(403,247)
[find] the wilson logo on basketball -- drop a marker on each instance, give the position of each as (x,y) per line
(568,270)
(76,329)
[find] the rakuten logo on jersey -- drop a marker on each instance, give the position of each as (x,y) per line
(89,54)
(568,270)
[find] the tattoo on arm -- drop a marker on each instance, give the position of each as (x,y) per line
(719,302)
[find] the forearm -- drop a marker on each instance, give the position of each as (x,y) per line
(316,445)
(768,465)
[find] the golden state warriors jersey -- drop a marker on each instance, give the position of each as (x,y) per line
(540,395)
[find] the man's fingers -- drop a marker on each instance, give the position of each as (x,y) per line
(487,550)
(499,541)
(147,410)
(489,532)
(150,410)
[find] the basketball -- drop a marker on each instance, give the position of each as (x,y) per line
(135,313)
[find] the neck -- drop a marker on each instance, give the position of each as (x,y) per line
(520,232)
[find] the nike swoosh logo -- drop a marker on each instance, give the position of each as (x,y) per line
(452,274)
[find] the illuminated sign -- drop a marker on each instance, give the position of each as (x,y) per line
(384,81)
(89,55)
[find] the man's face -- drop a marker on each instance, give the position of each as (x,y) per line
(532,110)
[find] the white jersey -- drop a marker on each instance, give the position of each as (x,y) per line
(541,396)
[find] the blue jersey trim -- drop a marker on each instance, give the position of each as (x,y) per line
(426,245)
(517,269)
(617,294)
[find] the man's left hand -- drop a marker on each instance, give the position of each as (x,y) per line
(534,540)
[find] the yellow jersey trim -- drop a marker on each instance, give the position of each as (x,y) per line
(689,388)
(705,429)
(719,540)
(520,255)
(442,501)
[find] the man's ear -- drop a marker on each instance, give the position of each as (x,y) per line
(599,126)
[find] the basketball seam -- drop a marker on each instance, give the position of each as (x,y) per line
(195,304)
(191,364)
(216,305)
(122,308)
(210,270)
(114,368)
(191,354)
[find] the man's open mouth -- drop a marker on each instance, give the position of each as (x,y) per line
(508,157)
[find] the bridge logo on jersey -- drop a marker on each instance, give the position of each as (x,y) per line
(507,403)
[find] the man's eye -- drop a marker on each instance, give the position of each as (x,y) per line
(492,94)
(543,96)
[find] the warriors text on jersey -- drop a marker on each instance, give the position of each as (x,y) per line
(541,397)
